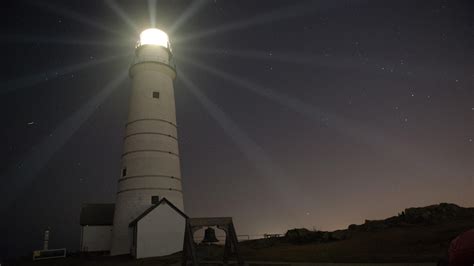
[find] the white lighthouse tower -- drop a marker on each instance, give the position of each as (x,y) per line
(150,160)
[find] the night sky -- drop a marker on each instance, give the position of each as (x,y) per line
(314,114)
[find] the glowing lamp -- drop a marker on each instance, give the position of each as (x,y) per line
(154,37)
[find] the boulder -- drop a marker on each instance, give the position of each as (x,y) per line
(434,213)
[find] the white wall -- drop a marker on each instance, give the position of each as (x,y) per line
(96,238)
(160,232)
(150,146)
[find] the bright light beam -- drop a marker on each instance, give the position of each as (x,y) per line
(280,98)
(31,80)
(77,17)
(152,11)
(121,13)
(272,173)
(245,144)
(190,11)
(154,37)
(23,174)
(277,14)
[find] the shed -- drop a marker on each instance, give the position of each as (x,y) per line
(96,222)
(154,231)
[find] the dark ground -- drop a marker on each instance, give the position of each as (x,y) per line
(415,235)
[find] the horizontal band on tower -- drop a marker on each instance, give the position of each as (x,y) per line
(138,61)
(142,176)
(151,133)
(151,119)
(161,151)
(150,188)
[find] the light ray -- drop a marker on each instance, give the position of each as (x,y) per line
(25,172)
(284,187)
(337,62)
(77,17)
(277,14)
(152,11)
(265,92)
(255,54)
(31,80)
(246,145)
(370,136)
(329,61)
(190,11)
(121,13)
(27,38)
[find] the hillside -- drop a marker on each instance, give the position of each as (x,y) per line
(416,234)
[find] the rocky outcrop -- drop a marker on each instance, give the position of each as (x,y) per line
(433,214)
(303,235)
(436,213)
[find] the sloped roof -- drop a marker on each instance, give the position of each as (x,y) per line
(97,214)
(162,201)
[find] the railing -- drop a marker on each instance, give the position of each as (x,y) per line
(272,235)
(150,58)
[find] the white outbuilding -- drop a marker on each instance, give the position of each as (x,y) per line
(96,227)
(158,231)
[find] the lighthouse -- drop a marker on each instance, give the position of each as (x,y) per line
(150,174)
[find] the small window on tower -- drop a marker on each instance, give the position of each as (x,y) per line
(155,199)
(156,94)
(124,171)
